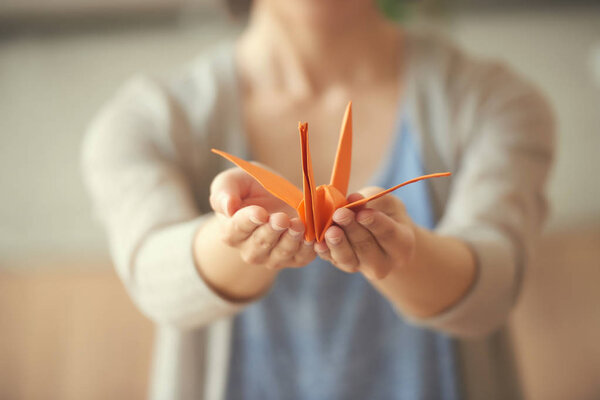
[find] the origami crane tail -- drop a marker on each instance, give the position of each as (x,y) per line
(378,195)
(273,183)
(340,175)
(310,214)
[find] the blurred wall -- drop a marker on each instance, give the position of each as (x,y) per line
(559,50)
(51,86)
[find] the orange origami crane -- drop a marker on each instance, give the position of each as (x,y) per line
(316,205)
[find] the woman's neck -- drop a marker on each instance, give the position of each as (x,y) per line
(307,52)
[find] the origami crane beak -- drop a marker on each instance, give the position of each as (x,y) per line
(315,205)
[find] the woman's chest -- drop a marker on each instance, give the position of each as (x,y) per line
(273,138)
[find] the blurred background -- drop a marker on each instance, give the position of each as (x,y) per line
(67,328)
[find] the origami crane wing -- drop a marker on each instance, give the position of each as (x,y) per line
(273,183)
(358,203)
(340,176)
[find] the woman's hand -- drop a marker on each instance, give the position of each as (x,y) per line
(372,240)
(263,228)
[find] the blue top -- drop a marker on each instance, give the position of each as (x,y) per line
(321,333)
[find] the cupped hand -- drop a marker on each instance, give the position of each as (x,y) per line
(263,228)
(234,189)
(371,240)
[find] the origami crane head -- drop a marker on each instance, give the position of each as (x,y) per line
(316,205)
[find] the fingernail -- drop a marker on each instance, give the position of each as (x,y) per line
(255,220)
(321,249)
(342,218)
(277,227)
(334,240)
(294,234)
(308,242)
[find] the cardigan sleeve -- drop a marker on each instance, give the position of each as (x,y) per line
(141,192)
(503,148)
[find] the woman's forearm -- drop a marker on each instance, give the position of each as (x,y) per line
(439,275)
(222,267)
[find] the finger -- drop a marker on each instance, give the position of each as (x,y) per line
(257,248)
(243,223)
(323,251)
(354,197)
(396,240)
(227,190)
(387,204)
(305,254)
(297,227)
(289,244)
(360,239)
(341,251)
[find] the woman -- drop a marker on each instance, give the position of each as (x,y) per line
(246,308)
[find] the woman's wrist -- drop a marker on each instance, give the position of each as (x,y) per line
(437,276)
(222,268)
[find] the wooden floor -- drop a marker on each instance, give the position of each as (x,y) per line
(556,325)
(72,333)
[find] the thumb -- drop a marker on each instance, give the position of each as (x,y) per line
(226,191)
